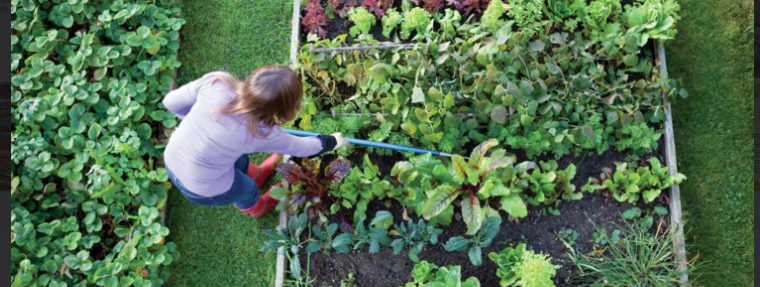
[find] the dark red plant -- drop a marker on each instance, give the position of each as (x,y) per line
(315,21)
(467,6)
(432,6)
(378,7)
(310,184)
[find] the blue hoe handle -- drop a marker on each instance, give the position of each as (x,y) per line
(366,143)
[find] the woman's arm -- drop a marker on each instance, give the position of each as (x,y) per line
(283,143)
(181,100)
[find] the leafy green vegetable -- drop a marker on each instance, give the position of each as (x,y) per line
(416,20)
(428,274)
(492,15)
(289,239)
(521,267)
(363,21)
(483,239)
(390,21)
(628,185)
(415,237)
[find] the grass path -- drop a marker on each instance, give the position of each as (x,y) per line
(713,127)
(219,246)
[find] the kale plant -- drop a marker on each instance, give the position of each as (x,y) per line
(415,237)
(483,239)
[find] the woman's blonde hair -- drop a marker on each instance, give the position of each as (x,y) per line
(270,95)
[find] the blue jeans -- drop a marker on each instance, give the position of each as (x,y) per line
(244,192)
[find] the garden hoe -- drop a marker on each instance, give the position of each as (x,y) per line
(399,148)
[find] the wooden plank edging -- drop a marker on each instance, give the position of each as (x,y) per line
(294,41)
(676,215)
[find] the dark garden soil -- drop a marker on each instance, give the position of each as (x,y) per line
(539,230)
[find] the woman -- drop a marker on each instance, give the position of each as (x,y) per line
(223,120)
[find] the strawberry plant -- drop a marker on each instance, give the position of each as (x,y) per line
(85,80)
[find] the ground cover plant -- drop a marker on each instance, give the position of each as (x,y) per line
(87,190)
(557,103)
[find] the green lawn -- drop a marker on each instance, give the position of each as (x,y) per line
(712,55)
(220,246)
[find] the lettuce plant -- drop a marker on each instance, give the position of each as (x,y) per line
(416,20)
(315,21)
(391,20)
(521,267)
(651,20)
(377,7)
(432,6)
(363,21)
(492,16)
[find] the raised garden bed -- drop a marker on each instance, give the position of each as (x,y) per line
(546,227)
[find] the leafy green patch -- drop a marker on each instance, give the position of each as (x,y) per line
(85,81)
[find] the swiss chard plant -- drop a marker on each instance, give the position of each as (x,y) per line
(309,185)
(628,185)
(415,237)
(482,240)
(475,183)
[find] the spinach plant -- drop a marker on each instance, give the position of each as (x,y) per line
(483,239)
(628,185)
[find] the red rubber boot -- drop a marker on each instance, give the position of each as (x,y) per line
(261,173)
(265,204)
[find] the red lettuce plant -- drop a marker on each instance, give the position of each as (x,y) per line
(378,7)
(309,185)
(432,6)
(315,21)
(466,6)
